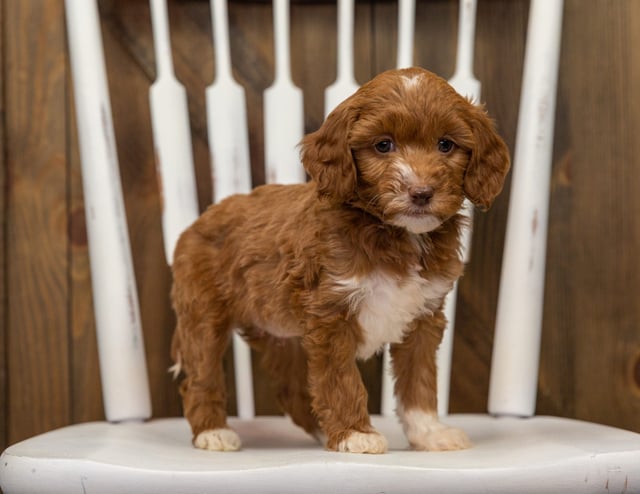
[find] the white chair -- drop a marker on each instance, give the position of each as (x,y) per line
(513,451)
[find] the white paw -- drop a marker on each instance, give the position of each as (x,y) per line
(363,442)
(217,440)
(445,439)
(425,432)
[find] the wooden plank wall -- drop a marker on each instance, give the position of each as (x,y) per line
(590,364)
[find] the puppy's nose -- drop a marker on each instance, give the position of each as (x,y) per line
(420,196)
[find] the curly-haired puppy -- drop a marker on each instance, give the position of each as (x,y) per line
(319,275)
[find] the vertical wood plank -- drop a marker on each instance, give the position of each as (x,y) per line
(4,376)
(384,37)
(436,36)
(557,379)
(601,74)
(313,62)
(627,348)
(37,248)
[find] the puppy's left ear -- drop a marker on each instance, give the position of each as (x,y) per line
(489,161)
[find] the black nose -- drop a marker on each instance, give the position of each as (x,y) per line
(420,196)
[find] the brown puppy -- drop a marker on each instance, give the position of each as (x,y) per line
(321,274)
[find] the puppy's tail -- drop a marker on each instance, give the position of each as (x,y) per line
(176,368)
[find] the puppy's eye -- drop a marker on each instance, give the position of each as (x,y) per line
(445,146)
(385,146)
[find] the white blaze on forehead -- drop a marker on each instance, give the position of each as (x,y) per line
(407,174)
(411,82)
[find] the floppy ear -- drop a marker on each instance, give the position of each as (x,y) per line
(489,161)
(327,157)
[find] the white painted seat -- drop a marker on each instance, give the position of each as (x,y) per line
(514,455)
(513,451)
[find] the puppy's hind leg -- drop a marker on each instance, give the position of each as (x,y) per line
(286,362)
(199,350)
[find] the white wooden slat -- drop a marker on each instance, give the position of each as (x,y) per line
(226,116)
(243,374)
(230,167)
(387,398)
(283,109)
(463,79)
(444,355)
(125,386)
(171,137)
(514,370)
(406,29)
(345,84)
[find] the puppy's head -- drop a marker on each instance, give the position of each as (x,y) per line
(408,149)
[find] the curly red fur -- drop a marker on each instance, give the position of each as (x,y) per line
(319,274)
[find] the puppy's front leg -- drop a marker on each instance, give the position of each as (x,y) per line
(415,371)
(339,397)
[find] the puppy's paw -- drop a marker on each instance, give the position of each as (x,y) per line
(442,439)
(425,432)
(363,442)
(217,440)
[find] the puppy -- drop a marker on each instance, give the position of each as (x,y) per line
(319,275)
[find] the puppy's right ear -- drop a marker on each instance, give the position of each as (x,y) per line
(327,157)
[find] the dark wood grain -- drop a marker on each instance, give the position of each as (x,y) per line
(37,218)
(4,376)
(601,115)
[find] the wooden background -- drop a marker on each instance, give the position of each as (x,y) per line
(590,364)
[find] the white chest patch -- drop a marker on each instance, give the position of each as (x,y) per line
(385,305)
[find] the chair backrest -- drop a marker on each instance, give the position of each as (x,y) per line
(123,372)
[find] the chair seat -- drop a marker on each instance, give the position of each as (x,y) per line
(548,454)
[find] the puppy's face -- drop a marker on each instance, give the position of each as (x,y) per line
(411,148)
(408,149)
